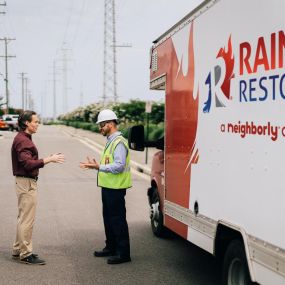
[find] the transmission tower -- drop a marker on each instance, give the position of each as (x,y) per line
(110,60)
(65,88)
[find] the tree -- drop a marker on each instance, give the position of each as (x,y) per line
(132,112)
(157,113)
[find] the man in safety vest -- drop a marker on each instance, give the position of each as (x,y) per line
(114,177)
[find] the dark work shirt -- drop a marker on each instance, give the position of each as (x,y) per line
(25,160)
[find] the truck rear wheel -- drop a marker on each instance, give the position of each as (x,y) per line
(156,216)
(235,267)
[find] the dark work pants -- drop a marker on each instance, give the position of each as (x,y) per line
(116,226)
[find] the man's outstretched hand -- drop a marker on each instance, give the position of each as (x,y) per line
(55,158)
(90,164)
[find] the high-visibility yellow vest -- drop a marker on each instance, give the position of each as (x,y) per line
(115,180)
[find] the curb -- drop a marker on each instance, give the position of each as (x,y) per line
(140,168)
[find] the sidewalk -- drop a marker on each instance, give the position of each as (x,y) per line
(137,157)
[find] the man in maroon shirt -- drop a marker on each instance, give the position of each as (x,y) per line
(26,164)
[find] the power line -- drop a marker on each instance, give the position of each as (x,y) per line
(68,22)
(78,22)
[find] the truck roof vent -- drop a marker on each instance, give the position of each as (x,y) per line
(154,61)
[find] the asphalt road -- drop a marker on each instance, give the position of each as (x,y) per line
(69,227)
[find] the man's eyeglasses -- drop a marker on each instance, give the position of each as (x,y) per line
(103,124)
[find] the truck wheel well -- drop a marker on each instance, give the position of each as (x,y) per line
(153,184)
(223,238)
(151,190)
(225,235)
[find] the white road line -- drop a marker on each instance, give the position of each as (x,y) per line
(66,133)
(90,146)
(94,143)
(140,174)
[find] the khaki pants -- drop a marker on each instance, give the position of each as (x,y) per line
(26,190)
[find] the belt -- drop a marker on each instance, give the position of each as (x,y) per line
(31,177)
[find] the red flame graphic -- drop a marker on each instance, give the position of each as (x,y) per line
(229,62)
(181,115)
(182,97)
(182,123)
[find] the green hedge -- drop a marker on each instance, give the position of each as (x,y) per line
(154,131)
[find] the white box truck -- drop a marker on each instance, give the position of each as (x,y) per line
(219,180)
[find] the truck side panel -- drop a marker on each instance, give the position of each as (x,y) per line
(225,130)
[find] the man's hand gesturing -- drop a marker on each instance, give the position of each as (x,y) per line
(55,158)
(90,164)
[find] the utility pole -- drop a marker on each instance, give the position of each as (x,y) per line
(26,80)
(65,87)
(43,100)
(23,89)
(6,56)
(3,4)
(54,90)
(81,96)
(54,82)
(31,101)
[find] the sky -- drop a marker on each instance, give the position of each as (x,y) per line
(45,30)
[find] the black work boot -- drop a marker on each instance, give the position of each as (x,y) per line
(33,260)
(104,252)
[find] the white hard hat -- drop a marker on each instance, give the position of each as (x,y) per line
(106,115)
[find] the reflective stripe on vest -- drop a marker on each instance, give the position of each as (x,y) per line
(115,180)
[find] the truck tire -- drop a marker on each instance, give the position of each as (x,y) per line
(156,216)
(235,267)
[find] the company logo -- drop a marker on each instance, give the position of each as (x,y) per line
(260,75)
(260,69)
(219,80)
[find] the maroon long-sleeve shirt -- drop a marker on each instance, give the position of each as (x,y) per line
(25,159)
